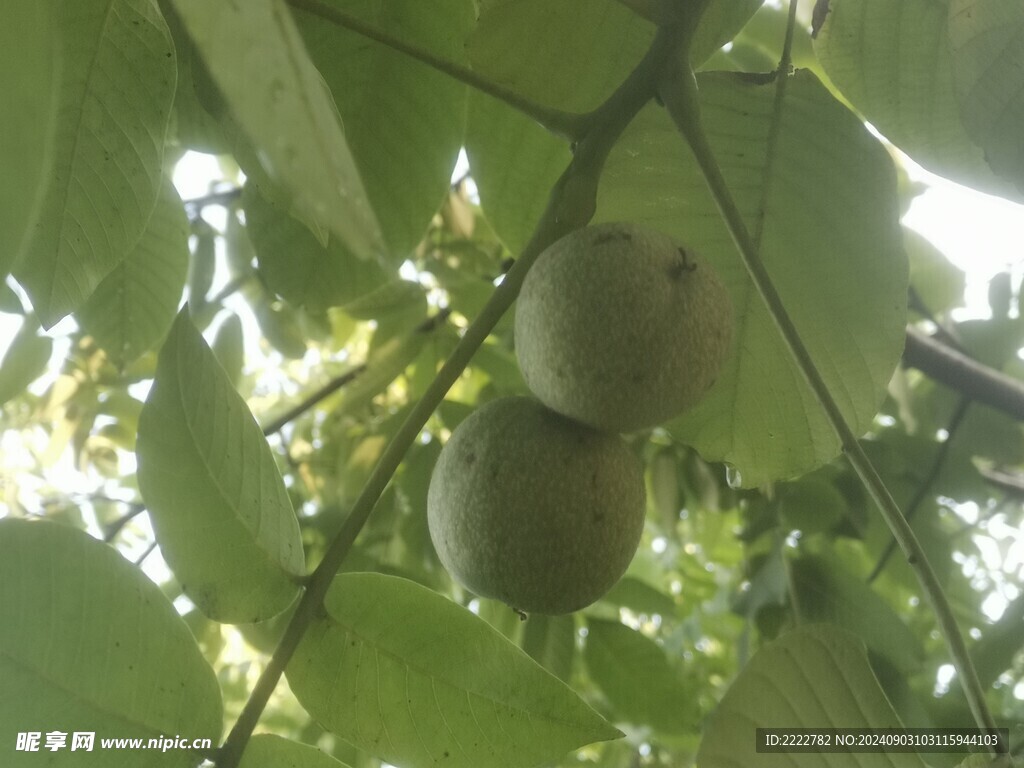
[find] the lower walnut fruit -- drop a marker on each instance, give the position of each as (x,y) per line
(534,509)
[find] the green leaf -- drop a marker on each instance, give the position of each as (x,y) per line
(24,361)
(938,281)
(280,326)
(66,598)
(134,306)
(514,163)
(822,204)
(893,62)
(296,266)
(769,586)
(813,677)
(1000,294)
(811,505)
(987,42)
(406,164)
(31,63)
(265,750)
(203,263)
(640,597)
(551,642)
(385,364)
(758,46)
(197,103)
(827,592)
(634,673)
(229,348)
(580,50)
(286,112)
(719,23)
(414,679)
(219,508)
(117,77)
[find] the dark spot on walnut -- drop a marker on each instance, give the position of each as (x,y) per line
(611,237)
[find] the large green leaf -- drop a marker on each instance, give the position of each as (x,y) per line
(296,266)
(266,750)
(892,61)
(821,203)
(134,306)
(117,78)
(197,103)
(827,592)
(634,674)
(407,675)
(30,61)
(403,120)
(813,677)
(580,50)
(89,644)
(514,163)
(286,112)
(987,41)
(219,508)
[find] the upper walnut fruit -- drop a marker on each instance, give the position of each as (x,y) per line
(618,327)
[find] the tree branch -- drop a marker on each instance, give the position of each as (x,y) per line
(565,124)
(967,376)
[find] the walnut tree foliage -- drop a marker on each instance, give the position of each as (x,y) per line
(220,415)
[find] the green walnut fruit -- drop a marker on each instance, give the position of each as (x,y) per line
(534,509)
(620,328)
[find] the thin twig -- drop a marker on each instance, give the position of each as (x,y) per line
(134,510)
(311,400)
(146,553)
(929,480)
(332,386)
